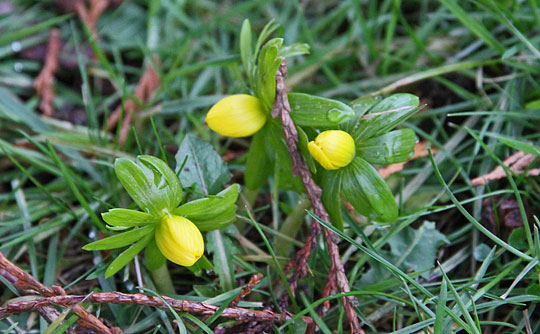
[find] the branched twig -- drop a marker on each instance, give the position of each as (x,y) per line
(89,15)
(144,91)
(163,302)
(337,277)
(44,81)
(255,279)
(52,296)
(25,283)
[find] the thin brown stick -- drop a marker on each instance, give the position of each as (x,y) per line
(90,15)
(527,321)
(517,162)
(51,296)
(254,280)
(163,302)
(25,282)
(336,276)
(45,80)
(144,91)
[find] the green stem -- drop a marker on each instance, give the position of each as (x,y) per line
(162,280)
(292,225)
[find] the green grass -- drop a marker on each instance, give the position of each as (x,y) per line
(474,64)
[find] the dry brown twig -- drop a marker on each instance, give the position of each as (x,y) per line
(90,14)
(163,302)
(517,162)
(336,275)
(52,296)
(45,80)
(148,84)
(25,283)
(255,279)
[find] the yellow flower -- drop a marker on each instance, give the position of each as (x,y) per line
(238,115)
(333,149)
(179,240)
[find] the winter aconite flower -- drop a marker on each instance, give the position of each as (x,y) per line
(179,240)
(238,115)
(166,227)
(350,156)
(333,149)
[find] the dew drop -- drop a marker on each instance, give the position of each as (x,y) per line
(336,115)
(16,46)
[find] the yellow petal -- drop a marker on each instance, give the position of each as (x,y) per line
(179,240)
(333,149)
(238,115)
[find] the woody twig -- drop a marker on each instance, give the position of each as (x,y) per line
(47,297)
(144,91)
(337,277)
(518,163)
(237,313)
(89,15)
(45,80)
(26,284)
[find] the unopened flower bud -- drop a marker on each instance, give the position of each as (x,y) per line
(238,115)
(333,149)
(179,240)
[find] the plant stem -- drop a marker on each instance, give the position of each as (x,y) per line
(291,225)
(162,280)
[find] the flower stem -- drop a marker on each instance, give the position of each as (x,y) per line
(162,280)
(291,225)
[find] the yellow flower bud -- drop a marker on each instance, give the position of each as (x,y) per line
(333,149)
(238,115)
(179,240)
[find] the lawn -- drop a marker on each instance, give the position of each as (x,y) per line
(167,166)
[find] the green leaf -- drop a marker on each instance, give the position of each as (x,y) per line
(473,24)
(214,212)
(150,184)
(223,249)
(364,188)
(417,248)
(202,264)
(11,36)
(13,109)
(533,104)
(246,50)
(166,177)
(331,196)
(128,218)
(258,166)
(385,115)
(519,145)
(153,258)
(389,148)
(268,29)
(296,49)
(120,240)
(517,239)
(267,65)
(127,255)
(204,167)
(314,111)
